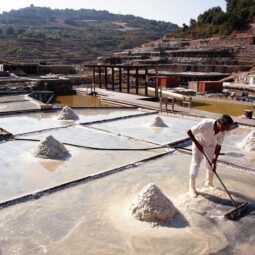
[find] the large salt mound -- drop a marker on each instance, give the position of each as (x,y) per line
(152,205)
(50,148)
(248,143)
(158,122)
(67,114)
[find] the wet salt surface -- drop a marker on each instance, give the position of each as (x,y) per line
(38,121)
(15,103)
(22,173)
(139,128)
(94,218)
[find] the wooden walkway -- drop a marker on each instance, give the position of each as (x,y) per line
(138,101)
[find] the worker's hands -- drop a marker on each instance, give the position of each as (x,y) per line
(214,166)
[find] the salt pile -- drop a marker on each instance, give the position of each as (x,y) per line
(248,143)
(158,122)
(67,114)
(50,148)
(152,205)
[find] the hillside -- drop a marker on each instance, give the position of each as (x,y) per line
(72,36)
(239,17)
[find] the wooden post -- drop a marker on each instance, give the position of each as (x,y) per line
(128,80)
(146,82)
(99,77)
(113,78)
(120,79)
(137,81)
(105,77)
(94,79)
(156,85)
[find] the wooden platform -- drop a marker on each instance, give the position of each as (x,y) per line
(138,101)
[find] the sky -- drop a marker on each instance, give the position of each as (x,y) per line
(175,11)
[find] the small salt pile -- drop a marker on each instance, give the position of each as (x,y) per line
(50,148)
(67,114)
(248,143)
(158,122)
(153,206)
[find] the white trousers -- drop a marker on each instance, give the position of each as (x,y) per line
(197,157)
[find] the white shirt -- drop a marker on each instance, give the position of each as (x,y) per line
(205,134)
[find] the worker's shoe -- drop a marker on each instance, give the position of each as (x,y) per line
(192,187)
(209,179)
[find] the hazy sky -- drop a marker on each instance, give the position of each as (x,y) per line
(176,11)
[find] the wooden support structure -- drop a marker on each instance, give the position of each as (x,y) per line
(113,78)
(99,77)
(120,79)
(94,75)
(128,80)
(146,82)
(105,77)
(137,80)
(156,84)
(92,89)
(166,101)
(127,70)
(187,101)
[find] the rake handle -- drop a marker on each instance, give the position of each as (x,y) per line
(223,185)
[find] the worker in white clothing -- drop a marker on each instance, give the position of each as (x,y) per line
(207,137)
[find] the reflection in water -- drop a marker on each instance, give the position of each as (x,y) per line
(51,165)
(232,108)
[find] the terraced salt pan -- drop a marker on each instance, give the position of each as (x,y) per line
(22,173)
(18,124)
(96,220)
(139,128)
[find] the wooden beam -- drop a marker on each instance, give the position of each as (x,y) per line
(113,78)
(156,85)
(128,80)
(136,80)
(105,77)
(99,77)
(146,82)
(120,79)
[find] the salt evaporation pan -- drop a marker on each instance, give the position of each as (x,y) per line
(50,148)
(153,206)
(248,143)
(158,122)
(67,114)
